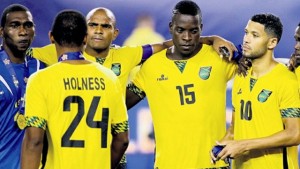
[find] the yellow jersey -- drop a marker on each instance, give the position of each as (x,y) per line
(78,106)
(259,106)
(187,103)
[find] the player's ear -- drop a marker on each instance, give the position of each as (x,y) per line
(116,33)
(51,37)
(272,43)
(201,28)
(170,27)
(85,39)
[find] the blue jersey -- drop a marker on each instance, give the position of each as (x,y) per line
(10,135)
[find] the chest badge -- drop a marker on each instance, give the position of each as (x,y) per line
(116,68)
(204,72)
(264,95)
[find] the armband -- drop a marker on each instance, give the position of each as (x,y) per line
(147,52)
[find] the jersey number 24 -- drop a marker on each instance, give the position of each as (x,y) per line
(103,124)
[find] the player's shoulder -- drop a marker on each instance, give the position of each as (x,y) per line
(41,75)
(284,74)
(156,58)
(208,52)
(108,73)
(282,66)
(124,50)
(118,48)
(283,69)
(208,49)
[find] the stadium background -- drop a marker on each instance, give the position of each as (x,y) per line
(226,18)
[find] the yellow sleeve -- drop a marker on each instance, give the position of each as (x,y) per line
(289,92)
(46,54)
(118,107)
(35,99)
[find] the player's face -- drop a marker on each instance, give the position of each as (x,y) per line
(186,30)
(297,39)
(101,31)
(255,42)
(18,31)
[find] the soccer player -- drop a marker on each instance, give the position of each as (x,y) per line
(102,31)
(185,87)
(78,103)
(265,129)
(17,32)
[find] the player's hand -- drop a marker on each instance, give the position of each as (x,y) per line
(294,62)
(244,65)
(233,149)
(214,153)
(221,43)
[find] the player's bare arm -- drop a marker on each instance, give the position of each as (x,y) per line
(133,96)
(32,148)
(119,145)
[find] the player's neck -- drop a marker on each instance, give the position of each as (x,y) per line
(62,50)
(15,56)
(174,54)
(262,66)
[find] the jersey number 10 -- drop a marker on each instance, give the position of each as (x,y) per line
(103,124)
(246,110)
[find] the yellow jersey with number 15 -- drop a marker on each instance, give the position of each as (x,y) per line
(187,103)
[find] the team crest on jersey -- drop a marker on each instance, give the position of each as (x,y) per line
(204,72)
(264,95)
(116,68)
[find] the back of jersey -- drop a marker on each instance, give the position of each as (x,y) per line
(79,103)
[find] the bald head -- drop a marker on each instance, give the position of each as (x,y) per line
(104,12)
(102,31)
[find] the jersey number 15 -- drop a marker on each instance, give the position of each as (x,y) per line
(186,94)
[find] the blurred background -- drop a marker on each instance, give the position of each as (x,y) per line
(226,18)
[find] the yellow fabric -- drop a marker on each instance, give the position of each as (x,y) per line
(120,59)
(258,114)
(46,54)
(92,94)
(142,36)
(188,108)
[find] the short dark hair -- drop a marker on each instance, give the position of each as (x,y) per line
(187,7)
(299,24)
(69,28)
(12,8)
(272,23)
